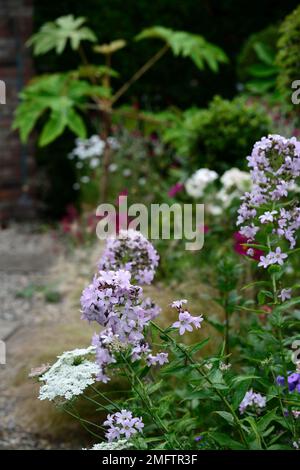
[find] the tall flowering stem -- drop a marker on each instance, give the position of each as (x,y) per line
(270,215)
(203,374)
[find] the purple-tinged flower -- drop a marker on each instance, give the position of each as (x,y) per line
(178,303)
(275,167)
(186,322)
(131,251)
(267,217)
(139,350)
(249,231)
(285,294)
(160,358)
(280,380)
(252,399)
(122,423)
(293,381)
(264,261)
(277,256)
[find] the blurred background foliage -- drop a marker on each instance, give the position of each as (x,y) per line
(204,130)
(227,23)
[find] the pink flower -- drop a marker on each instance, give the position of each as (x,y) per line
(242,249)
(176,188)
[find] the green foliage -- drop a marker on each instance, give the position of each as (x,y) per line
(56,34)
(63,93)
(188,45)
(256,62)
(218,136)
(61,96)
(288,57)
(262,46)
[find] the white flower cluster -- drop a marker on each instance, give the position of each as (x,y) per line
(88,148)
(121,444)
(92,149)
(234,184)
(198,182)
(70,375)
(236,179)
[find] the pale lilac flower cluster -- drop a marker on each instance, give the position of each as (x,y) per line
(275,167)
(160,358)
(122,424)
(113,302)
(252,399)
(131,251)
(186,321)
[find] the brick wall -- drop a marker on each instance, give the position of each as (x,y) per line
(16,162)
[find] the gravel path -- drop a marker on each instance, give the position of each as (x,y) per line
(26,256)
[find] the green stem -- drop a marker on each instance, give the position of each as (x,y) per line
(111,402)
(139,73)
(146,399)
(82,422)
(204,375)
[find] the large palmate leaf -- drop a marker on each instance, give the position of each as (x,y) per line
(184,44)
(56,34)
(60,94)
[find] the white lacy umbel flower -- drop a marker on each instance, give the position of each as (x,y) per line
(88,148)
(198,182)
(235,178)
(121,444)
(70,375)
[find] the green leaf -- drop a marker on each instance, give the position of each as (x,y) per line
(280,447)
(227,416)
(189,45)
(76,124)
(55,35)
(262,71)
(225,441)
(196,347)
(265,53)
(264,422)
(26,117)
(255,283)
(287,305)
(53,128)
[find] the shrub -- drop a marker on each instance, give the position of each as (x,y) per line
(288,57)
(220,135)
